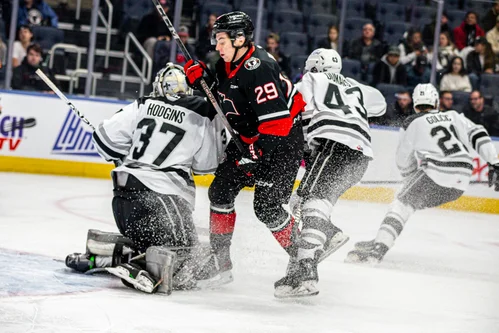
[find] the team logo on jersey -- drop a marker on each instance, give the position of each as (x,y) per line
(252,63)
(73,138)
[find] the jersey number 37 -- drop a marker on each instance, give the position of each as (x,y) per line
(145,138)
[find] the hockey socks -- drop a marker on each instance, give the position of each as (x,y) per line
(222,221)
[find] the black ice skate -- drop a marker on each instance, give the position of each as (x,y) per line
(300,280)
(334,243)
(367,254)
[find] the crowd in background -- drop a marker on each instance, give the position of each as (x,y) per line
(464,53)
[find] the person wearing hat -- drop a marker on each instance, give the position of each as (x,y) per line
(389,69)
(493,37)
(481,59)
(183,33)
(419,72)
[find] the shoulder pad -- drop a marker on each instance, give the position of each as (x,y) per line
(410,119)
(196,104)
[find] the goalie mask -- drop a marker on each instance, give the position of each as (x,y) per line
(323,60)
(425,94)
(170,81)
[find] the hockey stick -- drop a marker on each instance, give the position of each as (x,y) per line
(204,85)
(68,102)
(64,98)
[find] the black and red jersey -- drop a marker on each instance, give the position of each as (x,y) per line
(255,97)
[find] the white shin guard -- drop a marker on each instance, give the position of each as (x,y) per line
(160,262)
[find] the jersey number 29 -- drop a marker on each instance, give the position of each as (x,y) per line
(145,138)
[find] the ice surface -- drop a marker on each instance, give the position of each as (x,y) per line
(442,275)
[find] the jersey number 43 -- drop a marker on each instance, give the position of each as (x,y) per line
(145,138)
(333,91)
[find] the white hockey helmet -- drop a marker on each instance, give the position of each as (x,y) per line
(425,94)
(323,60)
(170,80)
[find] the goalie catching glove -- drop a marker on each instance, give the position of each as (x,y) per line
(494,176)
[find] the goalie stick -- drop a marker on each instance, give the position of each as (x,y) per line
(68,102)
(204,85)
(64,98)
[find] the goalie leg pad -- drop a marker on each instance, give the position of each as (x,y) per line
(102,243)
(160,262)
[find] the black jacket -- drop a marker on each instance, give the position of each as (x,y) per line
(381,74)
(359,51)
(25,78)
(473,64)
(152,25)
(429,33)
(488,118)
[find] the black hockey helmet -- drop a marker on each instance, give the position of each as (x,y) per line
(236,24)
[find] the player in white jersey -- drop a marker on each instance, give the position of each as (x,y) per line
(434,160)
(338,135)
(161,140)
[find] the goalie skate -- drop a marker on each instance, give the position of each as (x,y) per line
(135,277)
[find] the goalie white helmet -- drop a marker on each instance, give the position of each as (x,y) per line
(170,80)
(425,94)
(323,60)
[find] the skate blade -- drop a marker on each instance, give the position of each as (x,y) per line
(306,289)
(139,283)
(354,257)
(216,281)
(337,241)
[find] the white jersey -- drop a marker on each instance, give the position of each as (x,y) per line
(439,144)
(338,109)
(162,141)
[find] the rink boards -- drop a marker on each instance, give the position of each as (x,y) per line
(40,134)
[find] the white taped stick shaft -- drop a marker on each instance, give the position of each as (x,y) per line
(64,98)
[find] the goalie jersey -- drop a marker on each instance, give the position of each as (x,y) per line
(439,143)
(338,108)
(162,141)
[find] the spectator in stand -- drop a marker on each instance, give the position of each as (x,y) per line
(204,47)
(429,29)
(480,113)
(25,35)
(152,29)
(331,41)
(389,69)
(272,47)
(366,49)
(493,37)
(446,101)
(24,76)
(183,33)
(481,60)
(418,73)
(489,19)
(455,77)
(396,112)
(36,12)
(446,51)
(468,31)
(412,47)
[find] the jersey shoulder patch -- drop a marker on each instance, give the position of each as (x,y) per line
(411,118)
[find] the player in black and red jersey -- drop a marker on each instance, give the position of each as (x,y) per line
(264,109)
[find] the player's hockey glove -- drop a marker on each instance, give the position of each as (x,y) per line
(494,176)
(195,71)
(250,158)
